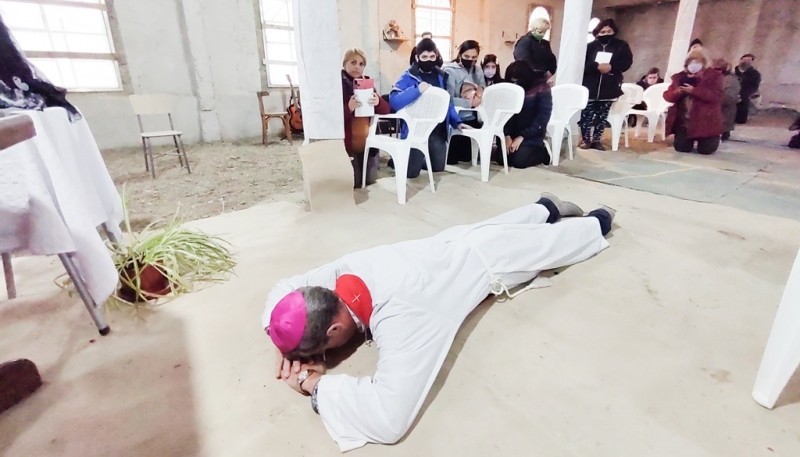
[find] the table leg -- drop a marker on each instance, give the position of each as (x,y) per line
(94,310)
(8,270)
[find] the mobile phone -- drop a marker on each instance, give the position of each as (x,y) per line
(364,83)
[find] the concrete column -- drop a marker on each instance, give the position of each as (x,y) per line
(319,62)
(200,69)
(682,36)
(572,50)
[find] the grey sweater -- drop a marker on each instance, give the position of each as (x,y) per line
(457,75)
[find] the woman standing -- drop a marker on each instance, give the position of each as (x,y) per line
(696,113)
(607,57)
(356,129)
(465,84)
(525,131)
(730,89)
(534,49)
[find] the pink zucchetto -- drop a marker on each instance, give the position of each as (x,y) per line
(287,322)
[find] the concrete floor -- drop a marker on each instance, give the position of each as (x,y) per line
(648,349)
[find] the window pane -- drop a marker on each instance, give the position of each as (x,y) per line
(445,47)
(96,74)
(276,12)
(74,19)
(593,23)
(441,3)
(279,45)
(79,73)
(33,41)
(277,74)
(442,21)
(21,15)
(87,43)
(423,21)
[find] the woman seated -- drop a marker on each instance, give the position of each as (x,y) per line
(525,131)
(491,70)
(465,84)
(696,113)
(356,128)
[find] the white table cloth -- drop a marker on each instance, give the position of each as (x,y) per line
(54,191)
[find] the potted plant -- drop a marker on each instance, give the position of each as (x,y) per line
(158,262)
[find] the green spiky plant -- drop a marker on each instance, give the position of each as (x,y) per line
(155,263)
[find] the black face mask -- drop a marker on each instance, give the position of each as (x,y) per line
(467,63)
(426,65)
(605,39)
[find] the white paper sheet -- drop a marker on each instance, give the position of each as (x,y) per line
(603,57)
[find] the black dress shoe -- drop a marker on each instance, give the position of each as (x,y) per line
(598,145)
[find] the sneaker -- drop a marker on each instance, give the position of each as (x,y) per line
(598,145)
(566,209)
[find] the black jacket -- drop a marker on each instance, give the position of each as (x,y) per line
(606,86)
(531,122)
(535,52)
(750,80)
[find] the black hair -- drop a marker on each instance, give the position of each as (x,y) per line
(466,46)
(426,45)
(491,58)
(524,74)
(696,41)
(605,23)
(748,55)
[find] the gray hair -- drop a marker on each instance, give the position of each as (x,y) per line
(322,305)
(538,22)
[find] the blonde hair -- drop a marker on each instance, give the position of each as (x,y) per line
(696,55)
(538,22)
(352,52)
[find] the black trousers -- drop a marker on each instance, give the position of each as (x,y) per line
(742,109)
(529,156)
(373,163)
(461,146)
(704,145)
(437,148)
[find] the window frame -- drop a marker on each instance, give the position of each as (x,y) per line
(112,34)
(265,60)
(451,37)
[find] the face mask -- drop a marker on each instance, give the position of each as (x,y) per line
(604,39)
(427,65)
(489,72)
(467,63)
(694,67)
(537,35)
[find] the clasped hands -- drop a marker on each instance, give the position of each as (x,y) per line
(513,144)
(289,371)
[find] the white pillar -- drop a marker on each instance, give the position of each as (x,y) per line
(682,36)
(319,63)
(200,70)
(572,49)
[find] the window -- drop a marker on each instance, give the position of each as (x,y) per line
(592,24)
(277,24)
(436,17)
(541,12)
(69,41)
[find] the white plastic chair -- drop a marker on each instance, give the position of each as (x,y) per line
(155,104)
(618,115)
(782,354)
(568,100)
(500,102)
(421,117)
(655,113)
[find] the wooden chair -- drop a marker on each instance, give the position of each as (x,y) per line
(266,117)
(157,104)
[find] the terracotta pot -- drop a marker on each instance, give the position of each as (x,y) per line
(152,282)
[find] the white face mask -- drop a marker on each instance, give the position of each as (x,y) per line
(489,72)
(694,67)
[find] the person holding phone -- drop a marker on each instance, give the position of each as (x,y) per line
(356,128)
(696,113)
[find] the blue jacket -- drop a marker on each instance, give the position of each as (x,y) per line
(406,91)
